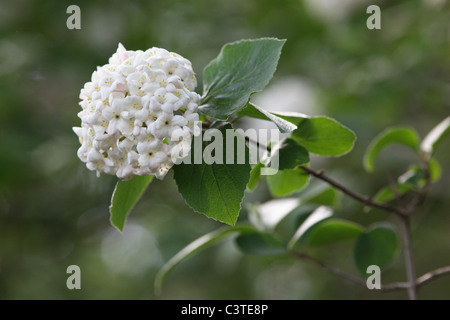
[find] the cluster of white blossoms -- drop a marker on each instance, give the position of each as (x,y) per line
(138,113)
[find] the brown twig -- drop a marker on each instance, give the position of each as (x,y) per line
(364,199)
(409,261)
(404,214)
(395,286)
(432,275)
(321,175)
(406,237)
(348,276)
(330,268)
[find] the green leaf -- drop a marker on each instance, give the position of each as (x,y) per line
(266,216)
(240,69)
(319,214)
(402,135)
(435,169)
(333,230)
(320,193)
(328,197)
(416,176)
(290,155)
(252,110)
(194,247)
(293,117)
(376,246)
(324,136)
(215,190)
(387,194)
(413,179)
(255,176)
(320,135)
(432,139)
(125,196)
(285,182)
(259,243)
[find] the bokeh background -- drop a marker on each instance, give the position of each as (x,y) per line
(54,212)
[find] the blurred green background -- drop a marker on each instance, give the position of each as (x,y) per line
(54,211)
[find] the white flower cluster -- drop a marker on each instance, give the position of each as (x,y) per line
(132,108)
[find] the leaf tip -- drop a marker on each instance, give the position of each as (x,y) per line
(116,224)
(368,166)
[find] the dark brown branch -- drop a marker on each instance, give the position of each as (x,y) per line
(364,199)
(258,145)
(321,175)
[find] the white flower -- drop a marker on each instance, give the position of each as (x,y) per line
(130,110)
